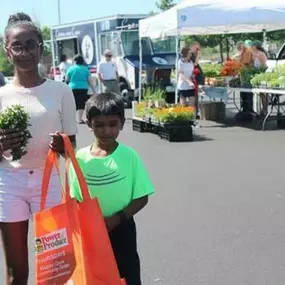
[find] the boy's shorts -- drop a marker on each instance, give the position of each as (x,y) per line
(124,243)
(20,193)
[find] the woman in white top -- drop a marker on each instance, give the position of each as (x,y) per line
(259,55)
(51,108)
(63,67)
(185,84)
(259,61)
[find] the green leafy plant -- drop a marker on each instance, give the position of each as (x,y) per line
(247,73)
(211,70)
(14,118)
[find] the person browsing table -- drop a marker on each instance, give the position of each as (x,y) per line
(108,74)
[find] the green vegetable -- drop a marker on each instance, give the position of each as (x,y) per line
(13,118)
(211,70)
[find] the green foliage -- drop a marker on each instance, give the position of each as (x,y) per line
(46,36)
(164,5)
(13,118)
(6,66)
(247,73)
(211,70)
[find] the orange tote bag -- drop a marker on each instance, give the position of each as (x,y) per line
(71,240)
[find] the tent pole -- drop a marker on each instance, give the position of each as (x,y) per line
(140,69)
(177,59)
(264,39)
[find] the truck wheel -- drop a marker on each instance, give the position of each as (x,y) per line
(125,93)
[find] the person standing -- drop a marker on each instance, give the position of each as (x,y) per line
(246,60)
(2,80)
(63,67)
(186,87)
(79,79)
(51,108)
(199,77)
(42,70)
(108,74)
(260,62)
(116,176)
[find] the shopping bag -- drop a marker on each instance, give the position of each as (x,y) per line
(71,240)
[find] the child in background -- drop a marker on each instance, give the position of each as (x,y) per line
(115,175)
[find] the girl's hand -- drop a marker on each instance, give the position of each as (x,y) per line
(56,143)
(190,83)
(10,139)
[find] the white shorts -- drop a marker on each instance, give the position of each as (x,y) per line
(20,193)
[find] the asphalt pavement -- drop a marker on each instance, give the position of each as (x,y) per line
(217,217)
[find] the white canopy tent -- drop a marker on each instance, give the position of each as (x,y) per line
(193,17)
(205,17)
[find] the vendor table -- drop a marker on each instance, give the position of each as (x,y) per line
(275,104)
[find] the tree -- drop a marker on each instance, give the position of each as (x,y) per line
(46,37)
(6,66)
(164,5)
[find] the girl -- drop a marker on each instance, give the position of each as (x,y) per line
(51,108)
(186,86)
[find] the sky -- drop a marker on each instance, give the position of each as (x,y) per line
(46,12)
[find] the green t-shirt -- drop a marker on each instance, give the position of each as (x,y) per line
(115,180)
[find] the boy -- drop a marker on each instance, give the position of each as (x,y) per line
(116,176)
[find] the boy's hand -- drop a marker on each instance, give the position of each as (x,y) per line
(112,222)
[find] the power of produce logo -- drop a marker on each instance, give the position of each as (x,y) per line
(51,241)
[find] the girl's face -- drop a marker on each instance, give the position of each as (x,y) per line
(23,48)
(188,57)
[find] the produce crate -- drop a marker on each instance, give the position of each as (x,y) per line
(176,132)
(212,111)
(216,92)
(139,125)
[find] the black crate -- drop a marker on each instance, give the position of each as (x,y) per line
(140,126)
(176,133)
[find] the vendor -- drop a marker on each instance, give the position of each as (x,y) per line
(246,60)
(245,54)
(260,62)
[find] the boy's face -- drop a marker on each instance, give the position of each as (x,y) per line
(106,128)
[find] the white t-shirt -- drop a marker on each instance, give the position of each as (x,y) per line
(187,68)
(108,70)
(63,67)
(51,108)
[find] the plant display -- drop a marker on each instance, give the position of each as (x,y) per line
(174,114)
(12,118)
(230,68)
(247,73)
(211,70)
(167,114)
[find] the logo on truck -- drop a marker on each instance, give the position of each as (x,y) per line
(87,49)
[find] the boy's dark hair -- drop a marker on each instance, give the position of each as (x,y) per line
(105,104)
(25,21)
(78,59)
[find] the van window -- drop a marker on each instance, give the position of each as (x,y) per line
(111,41)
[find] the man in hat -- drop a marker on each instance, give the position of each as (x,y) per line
(108,73)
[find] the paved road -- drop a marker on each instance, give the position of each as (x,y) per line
(218,215)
